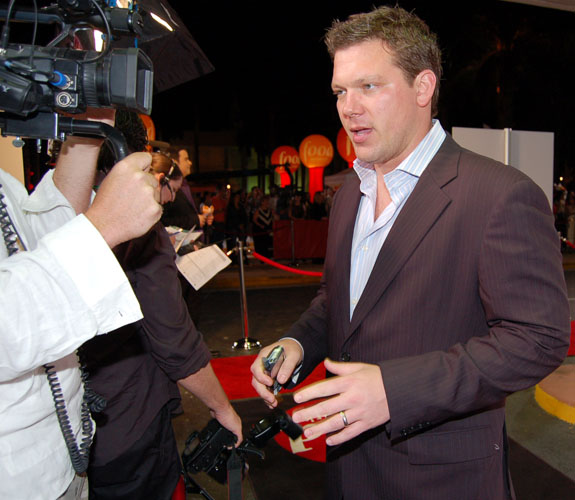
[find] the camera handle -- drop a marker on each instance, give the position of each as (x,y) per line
(46,125)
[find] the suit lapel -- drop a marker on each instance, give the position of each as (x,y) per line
(347,213)
(421,210)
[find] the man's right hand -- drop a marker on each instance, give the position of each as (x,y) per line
(126,205)
(291,359)
(231,421)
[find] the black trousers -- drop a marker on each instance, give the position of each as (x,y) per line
(149,469)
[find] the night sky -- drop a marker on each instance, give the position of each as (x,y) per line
(505,65)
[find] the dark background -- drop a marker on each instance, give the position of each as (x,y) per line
(505,65)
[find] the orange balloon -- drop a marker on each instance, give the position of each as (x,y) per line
(285,179)
(316,151)
(150,127)
(285,154)
(345,146)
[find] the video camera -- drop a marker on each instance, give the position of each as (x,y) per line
(211,449)
(38,82)
(56,79)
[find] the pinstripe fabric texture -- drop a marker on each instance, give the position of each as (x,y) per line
(369,235)
(466,303)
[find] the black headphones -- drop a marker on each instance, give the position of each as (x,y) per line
(168,177)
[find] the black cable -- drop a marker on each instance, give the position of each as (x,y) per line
(91,402)
(96,402)
(35,32)
(108,34)
(79,455)
(9,232)
(6,29)
(30,69)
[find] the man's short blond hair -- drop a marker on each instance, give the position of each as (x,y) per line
(413,45)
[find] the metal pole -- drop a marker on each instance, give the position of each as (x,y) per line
(245,342)
(292,231)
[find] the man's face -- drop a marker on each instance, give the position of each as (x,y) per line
(378,108)
(184,162)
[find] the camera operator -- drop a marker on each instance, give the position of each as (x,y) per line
(60,285)
(136,369)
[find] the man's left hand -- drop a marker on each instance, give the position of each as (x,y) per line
(356,395)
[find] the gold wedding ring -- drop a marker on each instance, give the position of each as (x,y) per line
(344,418)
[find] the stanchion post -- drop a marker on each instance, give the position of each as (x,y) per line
(245,342)
(292,231)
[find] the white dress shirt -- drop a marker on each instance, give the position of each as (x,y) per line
(369,234)
(67,288)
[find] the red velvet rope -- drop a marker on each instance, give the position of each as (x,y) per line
(567,242)
(312,273)
(285,268)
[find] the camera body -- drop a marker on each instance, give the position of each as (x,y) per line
(210,449)
(36,78)
(40,85)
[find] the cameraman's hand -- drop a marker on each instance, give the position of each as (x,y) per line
(262,382)
(230,420)
(126,205)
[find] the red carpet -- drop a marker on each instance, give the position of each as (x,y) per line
(533,479)
(236,379)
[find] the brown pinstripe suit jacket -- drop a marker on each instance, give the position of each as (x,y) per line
(465,305)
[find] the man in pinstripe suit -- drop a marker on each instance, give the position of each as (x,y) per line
(435,303)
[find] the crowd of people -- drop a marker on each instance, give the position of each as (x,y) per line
(250,215)
(564,212)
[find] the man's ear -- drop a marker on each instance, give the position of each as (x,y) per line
(425,86)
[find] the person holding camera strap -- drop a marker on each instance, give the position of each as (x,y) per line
(137,368)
